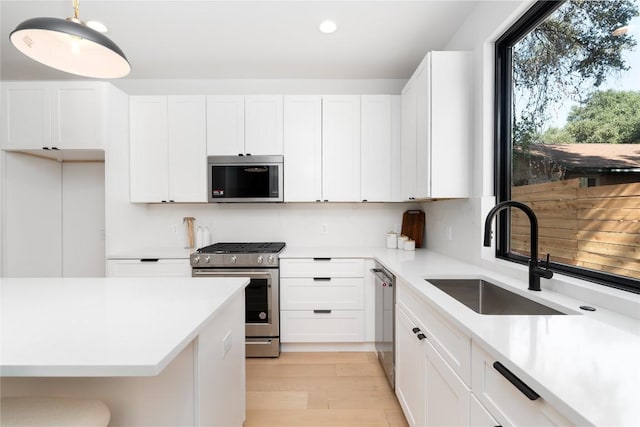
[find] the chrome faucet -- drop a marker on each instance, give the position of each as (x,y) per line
(535,271)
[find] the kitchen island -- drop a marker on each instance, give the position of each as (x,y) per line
(157,351)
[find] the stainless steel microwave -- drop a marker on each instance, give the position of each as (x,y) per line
(245,178)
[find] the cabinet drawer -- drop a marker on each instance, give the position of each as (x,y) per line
(152,268)
(322,267)
(453,345)
(505,402)
(310,326)
(321,292)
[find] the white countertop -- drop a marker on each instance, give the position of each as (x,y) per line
(104,326)
(585,364)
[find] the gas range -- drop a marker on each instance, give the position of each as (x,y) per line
(238,255)
(259,262)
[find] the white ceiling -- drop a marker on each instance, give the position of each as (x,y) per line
(265,39)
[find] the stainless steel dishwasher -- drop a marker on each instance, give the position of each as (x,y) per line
(385,298)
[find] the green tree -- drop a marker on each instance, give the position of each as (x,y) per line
(607,117)
(568,56)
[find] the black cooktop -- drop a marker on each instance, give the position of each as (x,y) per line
(243,248)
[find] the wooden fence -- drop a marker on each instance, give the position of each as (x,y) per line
(592,227)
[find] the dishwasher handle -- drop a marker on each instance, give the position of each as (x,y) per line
(382,276)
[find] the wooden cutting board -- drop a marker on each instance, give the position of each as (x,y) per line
(413,225)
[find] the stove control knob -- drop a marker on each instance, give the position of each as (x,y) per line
(207,259)
(196,259)
(234,259)
(259,259)
(271,259)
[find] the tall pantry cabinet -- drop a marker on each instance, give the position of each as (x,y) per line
(54,136)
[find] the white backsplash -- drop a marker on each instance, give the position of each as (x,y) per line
(297,224)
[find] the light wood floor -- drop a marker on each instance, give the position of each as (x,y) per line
(320,389)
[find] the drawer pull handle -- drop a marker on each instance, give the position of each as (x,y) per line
(421,336)
(322,311)
(321,279)
(322,259)
(149,259)
(517,382)
(415,330)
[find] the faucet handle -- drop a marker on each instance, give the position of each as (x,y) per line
(546,273)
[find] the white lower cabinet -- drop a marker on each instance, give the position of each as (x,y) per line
(506,403)
(443,378)
(149,267)
(479,416)
(429,391)
(322,300)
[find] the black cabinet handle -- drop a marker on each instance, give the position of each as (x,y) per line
(321,279)
(517,382)
(421,336)
(149,259)
(415,330)
(322,259)
(322,311)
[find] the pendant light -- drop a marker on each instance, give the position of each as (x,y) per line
(70,45)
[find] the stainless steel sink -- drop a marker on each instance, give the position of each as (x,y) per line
(486,298)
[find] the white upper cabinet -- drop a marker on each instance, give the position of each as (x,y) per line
(263,124)
(302,148)
(408,142)
(77,115)
(225,125)
(341,148)
(379,148)
(53,115)
(187,149)
(149,162)
(244,125)
(168,149)
(436,128)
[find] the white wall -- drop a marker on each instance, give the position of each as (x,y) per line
(130,226)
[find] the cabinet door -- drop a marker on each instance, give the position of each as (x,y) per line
(341,148)
(32,216)
(302,148)
(149,162)
(26,115)
(410,371)
(479,416)
(376,166)
(423,125)
(447,396)
(451,124)
(187,149)
(77,115)
(225,125)
(408,161)
(263,124)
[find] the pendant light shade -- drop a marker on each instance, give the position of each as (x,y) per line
(69,45)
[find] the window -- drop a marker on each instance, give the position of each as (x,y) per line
(568,138)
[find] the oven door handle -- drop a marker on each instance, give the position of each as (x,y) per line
(264,274)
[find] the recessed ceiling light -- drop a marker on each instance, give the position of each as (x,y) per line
(328,27)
